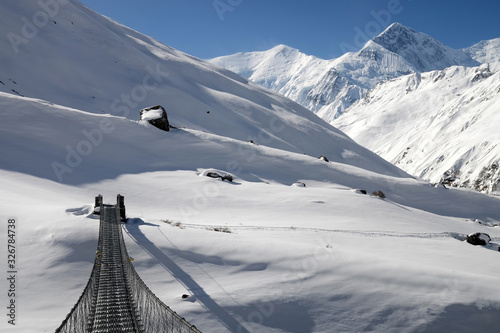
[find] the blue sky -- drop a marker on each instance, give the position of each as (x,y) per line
(324,28)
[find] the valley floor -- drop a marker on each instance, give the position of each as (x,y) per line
(257,256)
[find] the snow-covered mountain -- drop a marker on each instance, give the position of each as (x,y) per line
(421,51)
(486,52)
(440,125)
(329,87)
(283,69)
(88,62)
(418,59)
(393,261)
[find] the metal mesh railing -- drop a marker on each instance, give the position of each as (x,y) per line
(115,298)
(156,316)
(77,319)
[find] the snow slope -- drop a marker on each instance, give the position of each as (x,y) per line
(88,62)
(392,265)
(324,258)
(329,87)
(413,121)
(451,136)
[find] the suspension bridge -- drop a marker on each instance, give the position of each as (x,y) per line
(115,298)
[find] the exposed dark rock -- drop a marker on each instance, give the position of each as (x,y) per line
(17,92)
(450,176)
(323,158)
(482,72)
(227,177)
(479,238)
(156,116)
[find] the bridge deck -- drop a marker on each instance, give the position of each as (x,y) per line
(113,309)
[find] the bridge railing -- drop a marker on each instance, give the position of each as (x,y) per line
(153,316)
(78,318)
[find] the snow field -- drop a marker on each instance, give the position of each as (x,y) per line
(291,255)
(256,254)
(370,262)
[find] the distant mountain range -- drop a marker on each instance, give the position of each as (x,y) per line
(357,90)
(329,87)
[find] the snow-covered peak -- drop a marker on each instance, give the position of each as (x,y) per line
(486,51)
(253,62)
(281,68)
(351,76)
(284,50)
(329,87)
(423,52)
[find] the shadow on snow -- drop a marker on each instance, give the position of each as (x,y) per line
(185,279)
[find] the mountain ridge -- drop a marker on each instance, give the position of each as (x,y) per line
(448,138)
(405,60)
(360,71)
(422,51)
(104,67)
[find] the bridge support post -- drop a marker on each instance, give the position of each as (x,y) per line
(98,204)
(120,202)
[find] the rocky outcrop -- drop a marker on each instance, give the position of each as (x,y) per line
(156,116)
(478,238)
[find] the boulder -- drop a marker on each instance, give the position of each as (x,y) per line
(227,177)
(478,238)
(156,116)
